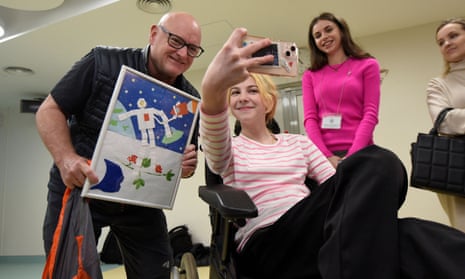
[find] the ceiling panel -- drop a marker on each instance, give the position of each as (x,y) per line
(56,41)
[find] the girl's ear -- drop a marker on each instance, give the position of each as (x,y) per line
(269,106)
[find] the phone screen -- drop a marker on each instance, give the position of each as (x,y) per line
(271,49)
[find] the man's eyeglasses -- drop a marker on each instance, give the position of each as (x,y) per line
(177,42)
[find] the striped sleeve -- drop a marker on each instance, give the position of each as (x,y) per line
(215,137)
(319,167)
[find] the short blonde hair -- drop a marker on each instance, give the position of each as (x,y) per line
(268,93)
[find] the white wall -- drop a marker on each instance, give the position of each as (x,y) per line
(24,164)
(410,55)
(413,58)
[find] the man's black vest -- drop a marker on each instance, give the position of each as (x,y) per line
(108,62)
(85,126)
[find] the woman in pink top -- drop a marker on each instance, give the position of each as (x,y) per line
(341,90)
(345,228)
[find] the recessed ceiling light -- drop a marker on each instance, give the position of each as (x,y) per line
(18,71)
(154,6)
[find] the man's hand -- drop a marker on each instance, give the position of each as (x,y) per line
(74,170)
(189,161)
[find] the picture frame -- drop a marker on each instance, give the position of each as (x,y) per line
(139,152)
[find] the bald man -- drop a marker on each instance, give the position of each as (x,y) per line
(69,122)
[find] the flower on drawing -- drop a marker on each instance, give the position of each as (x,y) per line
(132,158)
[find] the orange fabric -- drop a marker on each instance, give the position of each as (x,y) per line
(72,251)
(50,264)
(81,273)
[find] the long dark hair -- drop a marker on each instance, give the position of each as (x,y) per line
(319,59)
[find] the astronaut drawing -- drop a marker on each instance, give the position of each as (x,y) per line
(146,121)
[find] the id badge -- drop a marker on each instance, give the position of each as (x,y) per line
(331,121)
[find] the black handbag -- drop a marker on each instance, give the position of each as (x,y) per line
(438,161)
(181,242)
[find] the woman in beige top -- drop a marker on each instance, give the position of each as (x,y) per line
(449,91)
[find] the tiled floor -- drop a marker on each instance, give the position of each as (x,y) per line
(118,273)
(31,267)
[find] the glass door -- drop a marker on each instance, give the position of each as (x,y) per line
(289,112)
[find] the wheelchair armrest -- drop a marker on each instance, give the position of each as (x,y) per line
(231,203)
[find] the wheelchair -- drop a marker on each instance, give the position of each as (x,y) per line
(187,268)
(229,207)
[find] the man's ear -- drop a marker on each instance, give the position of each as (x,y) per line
(153,32)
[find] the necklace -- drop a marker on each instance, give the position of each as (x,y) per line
(341,93)
(269,139)
(336,67)
(273,139)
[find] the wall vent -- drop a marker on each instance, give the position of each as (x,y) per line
(30,105)
(154,6)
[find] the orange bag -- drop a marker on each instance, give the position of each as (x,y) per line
(73,253)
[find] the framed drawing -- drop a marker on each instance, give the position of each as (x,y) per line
(139,152)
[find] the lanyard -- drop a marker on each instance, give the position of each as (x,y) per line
(340,94)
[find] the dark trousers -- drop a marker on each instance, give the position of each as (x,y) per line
(289,248)
(361,228)
(141,233)
(430,250)
(348,228)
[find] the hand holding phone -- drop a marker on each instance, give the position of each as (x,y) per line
(285,62)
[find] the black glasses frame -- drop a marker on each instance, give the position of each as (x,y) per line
(177,42)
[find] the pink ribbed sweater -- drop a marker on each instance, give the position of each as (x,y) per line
(353,91)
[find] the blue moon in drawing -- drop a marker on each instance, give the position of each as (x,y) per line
(111,182)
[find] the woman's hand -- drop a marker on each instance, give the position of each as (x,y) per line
(229,67)
(334,160)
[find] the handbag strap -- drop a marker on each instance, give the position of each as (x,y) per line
(439,120)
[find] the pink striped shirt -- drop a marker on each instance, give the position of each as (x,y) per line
(272,175)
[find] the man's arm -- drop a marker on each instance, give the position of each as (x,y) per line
(54,132)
